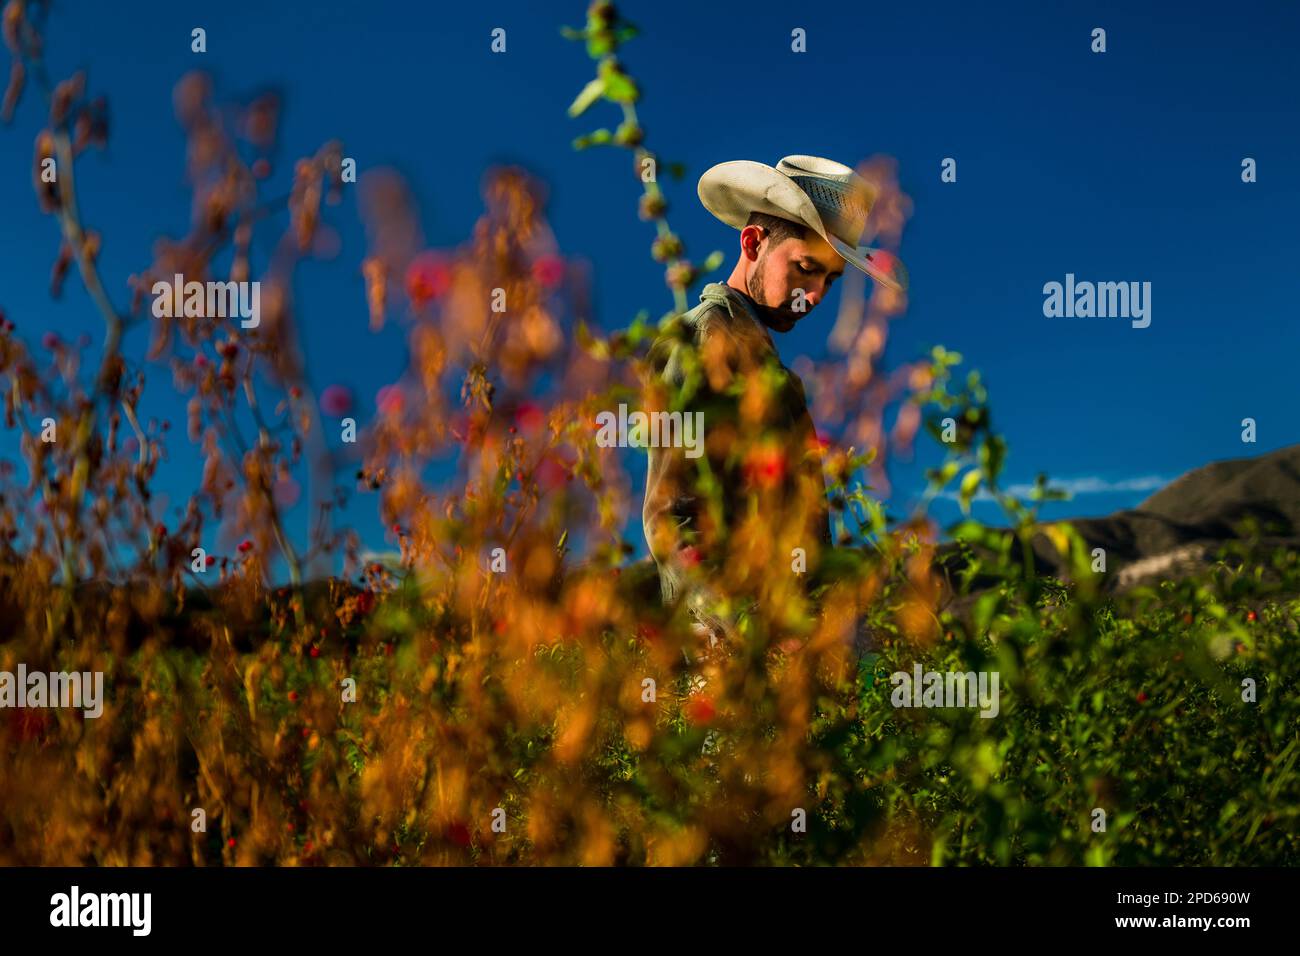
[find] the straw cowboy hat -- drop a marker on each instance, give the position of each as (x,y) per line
(824,195)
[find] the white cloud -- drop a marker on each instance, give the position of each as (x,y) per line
(383,557)
(1091,485)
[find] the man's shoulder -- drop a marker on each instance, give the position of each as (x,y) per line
(710,317)
(680,338)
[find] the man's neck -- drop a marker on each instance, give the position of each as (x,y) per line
(761,312)
(748,298)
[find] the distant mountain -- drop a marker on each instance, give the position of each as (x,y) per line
(1180,528)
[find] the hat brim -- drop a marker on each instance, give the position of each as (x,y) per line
(734,190)
(881,264)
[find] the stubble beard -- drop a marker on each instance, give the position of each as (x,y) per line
(777,318)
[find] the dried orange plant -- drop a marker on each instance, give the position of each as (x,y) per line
(511,690)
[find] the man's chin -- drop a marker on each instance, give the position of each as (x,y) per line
(781,321)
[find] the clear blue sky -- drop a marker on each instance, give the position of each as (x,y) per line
(1120,166)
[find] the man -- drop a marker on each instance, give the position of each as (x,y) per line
(720,524)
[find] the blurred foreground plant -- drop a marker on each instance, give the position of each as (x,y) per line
(509,689)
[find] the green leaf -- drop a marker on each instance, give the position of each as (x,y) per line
(590,93)
(598,137)
(984,610)
(619,87)
(968,531)
(969,485)
(596,348)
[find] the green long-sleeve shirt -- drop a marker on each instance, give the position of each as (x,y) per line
(760,462)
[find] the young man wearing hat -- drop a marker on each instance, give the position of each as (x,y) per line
(730,527)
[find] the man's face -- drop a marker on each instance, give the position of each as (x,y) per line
(810,264)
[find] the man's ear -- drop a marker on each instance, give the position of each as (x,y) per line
(750,238)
